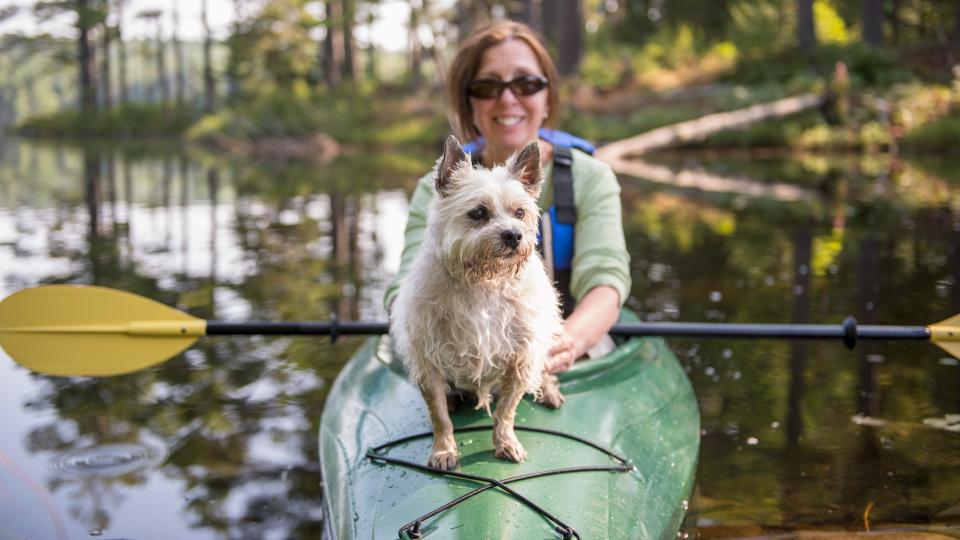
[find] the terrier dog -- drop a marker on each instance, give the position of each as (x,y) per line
(477,311)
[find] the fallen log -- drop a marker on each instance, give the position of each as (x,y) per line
(698,129)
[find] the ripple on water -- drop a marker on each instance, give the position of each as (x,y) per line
(107,460)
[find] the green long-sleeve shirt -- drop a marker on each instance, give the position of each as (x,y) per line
(599,253)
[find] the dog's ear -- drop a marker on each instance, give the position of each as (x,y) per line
(453,154)
(525,166)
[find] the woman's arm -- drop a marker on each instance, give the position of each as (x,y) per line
(413,234)
(601,263)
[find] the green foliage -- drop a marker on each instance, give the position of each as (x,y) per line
(941,135)
(351,116)
(273,51)
(830,27)
(135,120)
(867,66)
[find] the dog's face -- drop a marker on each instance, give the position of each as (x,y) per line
(485,220)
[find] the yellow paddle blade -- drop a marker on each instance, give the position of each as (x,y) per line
(86,330)
(946,335)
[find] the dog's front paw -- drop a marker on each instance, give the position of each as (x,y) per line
(509,448)
(444,457)
(550,392)
(553,399)
(445,461)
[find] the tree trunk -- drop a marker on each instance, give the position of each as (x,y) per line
(563,28)
(105,68)
(86,59)
(956,28)
(162,67)
(470,15)
(371,50)
(806,34)
(895,22)
(332,59)
(415,47)
(121,55)
(699,128)
(349,47)
(528,12)
(873,22)
(209,85)
(178,65)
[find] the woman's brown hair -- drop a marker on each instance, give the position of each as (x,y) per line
(466,63)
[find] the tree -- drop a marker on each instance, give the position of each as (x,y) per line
(349,46)
(331,58)
(414,45)
(89,14)
(154,16)
(121,53)
(806,34)
(107,31)
(563,28)
(873,22)
(209,85)
(178,64)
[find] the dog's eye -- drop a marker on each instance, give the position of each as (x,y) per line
(519,213)
(478,213)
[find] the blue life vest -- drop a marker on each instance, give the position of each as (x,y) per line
(562,213)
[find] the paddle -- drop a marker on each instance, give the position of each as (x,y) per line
(87,330)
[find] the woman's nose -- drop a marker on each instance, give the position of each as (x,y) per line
(507,95)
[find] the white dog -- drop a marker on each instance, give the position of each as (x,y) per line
(477,311)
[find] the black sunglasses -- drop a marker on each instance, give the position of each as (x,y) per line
(525,85)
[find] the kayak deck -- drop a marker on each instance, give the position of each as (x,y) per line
(635,402)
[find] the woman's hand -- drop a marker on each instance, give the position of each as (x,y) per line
(586,326)
(563,353)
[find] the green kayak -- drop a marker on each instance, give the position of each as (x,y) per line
(616,461)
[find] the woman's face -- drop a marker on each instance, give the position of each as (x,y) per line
(510,121)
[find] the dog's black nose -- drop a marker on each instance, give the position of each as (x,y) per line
(511,237)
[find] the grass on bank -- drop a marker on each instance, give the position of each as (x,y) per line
(130,120)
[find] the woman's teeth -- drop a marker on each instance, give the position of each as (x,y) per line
(507,120)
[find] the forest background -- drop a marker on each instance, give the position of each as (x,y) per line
(291,77)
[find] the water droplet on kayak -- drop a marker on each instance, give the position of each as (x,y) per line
(685,505)
(356,516)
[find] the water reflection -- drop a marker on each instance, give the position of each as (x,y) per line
(796,434)
(806,435)
(238,417)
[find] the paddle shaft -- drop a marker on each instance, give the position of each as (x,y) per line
(849,331)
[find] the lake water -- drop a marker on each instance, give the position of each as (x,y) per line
(221,441)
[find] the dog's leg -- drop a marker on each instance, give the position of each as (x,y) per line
(504,439)
(444,453)
(550,392)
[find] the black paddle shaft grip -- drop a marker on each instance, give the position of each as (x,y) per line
(333,328)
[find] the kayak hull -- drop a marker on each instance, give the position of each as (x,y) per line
(637,402)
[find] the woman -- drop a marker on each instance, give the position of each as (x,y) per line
(503,88)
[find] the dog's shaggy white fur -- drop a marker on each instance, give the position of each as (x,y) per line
(477,311)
